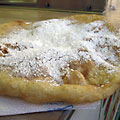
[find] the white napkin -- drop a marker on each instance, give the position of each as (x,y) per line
(13,106)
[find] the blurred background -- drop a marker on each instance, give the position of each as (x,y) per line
(35,10)
(82,5)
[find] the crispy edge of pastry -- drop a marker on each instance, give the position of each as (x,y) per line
(43,92)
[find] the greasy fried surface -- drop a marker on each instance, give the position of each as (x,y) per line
(86,81)
(41,92)
(8,27)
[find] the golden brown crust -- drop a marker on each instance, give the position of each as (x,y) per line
(42,92)
(8,27)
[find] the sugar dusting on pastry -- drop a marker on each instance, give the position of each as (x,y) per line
(46,47)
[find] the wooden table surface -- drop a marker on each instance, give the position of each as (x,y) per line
(8,14)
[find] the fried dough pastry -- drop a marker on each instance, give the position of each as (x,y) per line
(73,59)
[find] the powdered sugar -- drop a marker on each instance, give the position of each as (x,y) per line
(45,47)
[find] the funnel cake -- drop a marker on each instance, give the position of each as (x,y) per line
(73,59)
